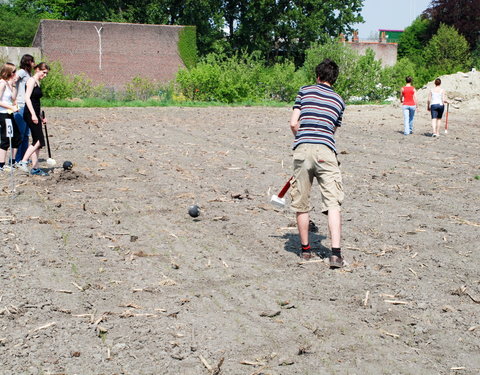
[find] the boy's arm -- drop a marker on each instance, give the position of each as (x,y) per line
(339,120)
(294,121)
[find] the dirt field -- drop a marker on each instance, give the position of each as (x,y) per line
(102,271)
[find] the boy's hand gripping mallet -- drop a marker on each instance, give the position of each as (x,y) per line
(279,200)
(50,161)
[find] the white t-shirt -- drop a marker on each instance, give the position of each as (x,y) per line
(437,97)
(6,98)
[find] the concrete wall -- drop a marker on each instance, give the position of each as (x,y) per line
(111,53)
(387,52)
(14,54)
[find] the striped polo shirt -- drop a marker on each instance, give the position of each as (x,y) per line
(321,110)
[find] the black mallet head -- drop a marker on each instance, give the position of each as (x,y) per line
(194,211)
(67,165)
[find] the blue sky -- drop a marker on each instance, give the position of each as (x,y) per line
(389,14)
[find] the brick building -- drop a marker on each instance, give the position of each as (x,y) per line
(111,53)
(384,51)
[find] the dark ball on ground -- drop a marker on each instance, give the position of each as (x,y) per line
(194,211)
(67,165)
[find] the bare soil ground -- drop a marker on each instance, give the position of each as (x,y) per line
(102,271)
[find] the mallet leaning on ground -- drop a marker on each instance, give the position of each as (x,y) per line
(50,161)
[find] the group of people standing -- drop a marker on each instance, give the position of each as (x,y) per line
(20,94)
(435,104)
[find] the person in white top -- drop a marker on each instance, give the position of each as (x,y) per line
(8,106)
(436,106)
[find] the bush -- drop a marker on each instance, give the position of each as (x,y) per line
(447,52)
(223,79)
(140,88)
(282,82)
(57,85)
(394,76)
(344,56)
(368,83)
(361,78)
(144,89)
(239,78)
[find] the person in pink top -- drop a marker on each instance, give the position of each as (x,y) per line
(408,97)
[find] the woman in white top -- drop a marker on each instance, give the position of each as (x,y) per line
(436,105)
(8,106)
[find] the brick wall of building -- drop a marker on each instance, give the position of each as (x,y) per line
(111,53)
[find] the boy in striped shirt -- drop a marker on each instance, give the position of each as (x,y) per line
(317,113)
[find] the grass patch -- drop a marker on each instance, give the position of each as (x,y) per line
(102,103)
(372,102)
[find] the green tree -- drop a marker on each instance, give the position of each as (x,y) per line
(273,27)
(463,15)
(476,57)
(413,40)
(16,30)
(288,27)
(203,14)
(447,52)
(394,76)
(53,9)
(343,55)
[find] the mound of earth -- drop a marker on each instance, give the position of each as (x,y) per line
(463,90)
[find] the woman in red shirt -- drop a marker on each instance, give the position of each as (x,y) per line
(408,97)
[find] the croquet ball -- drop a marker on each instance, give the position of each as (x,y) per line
(67,165)
(193,211)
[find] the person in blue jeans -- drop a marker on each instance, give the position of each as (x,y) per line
(408,97)
(27,62)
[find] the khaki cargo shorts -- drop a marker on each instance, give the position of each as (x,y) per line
(315,161)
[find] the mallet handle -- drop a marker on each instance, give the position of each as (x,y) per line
(446,117)
(46,136)
(285,188)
